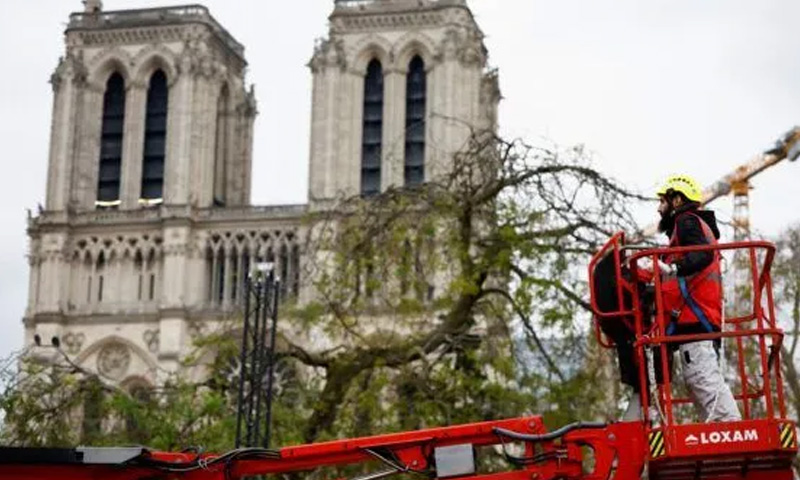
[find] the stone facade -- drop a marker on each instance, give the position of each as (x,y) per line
(460,93)
(126,284)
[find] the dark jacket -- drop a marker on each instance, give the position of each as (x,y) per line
(691,233)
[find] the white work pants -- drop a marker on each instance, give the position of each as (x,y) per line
(703,378)
(701,372)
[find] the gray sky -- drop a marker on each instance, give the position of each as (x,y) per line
(651,88)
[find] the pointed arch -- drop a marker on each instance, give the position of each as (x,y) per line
(284,270)
(155,139)
(414,44)
(111,140)
(108,62)
(210,273)
(372,47)
(111,339)
(151,59)
(101,261)
(295,267)
(372,130)
(138,271)
(416,100)
(235,272)
(135,381)
(100,268)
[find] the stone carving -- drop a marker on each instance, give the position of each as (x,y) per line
(93,6)
(250,106)
(328,53)
(472,52)
(130,36)
(70,68)
(448,48)
(114,52)
(113,361)
(74,342)
(197,60)
(196,329)
(467,48)
(158,55)
(414,43)
(151,339)
(368,47)
(237,251)
(382,22)
(143,245)
(259,242)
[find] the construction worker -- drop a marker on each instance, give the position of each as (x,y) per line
(692,295)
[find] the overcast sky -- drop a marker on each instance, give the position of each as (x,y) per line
(651,87)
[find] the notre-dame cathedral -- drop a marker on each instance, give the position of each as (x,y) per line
(148,233)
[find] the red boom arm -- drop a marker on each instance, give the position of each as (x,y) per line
(438,452)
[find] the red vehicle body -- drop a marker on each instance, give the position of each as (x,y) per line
(761,446)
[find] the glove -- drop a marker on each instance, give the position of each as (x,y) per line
(645,264)
(668,268)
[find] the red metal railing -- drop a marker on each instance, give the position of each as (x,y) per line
(759,325)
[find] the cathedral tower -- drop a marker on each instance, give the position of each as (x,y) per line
(147,104)
(398,86)
(151,127)
(148,234)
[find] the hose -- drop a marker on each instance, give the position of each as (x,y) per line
(545,437)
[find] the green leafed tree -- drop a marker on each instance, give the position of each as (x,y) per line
(787,294)
(462,299)
(458,300)
(786,278)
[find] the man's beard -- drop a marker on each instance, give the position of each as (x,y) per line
(667,222)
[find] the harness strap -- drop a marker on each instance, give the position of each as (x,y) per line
(698,312)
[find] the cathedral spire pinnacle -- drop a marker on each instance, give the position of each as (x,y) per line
(93,6)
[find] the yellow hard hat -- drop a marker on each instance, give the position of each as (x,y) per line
(684,184)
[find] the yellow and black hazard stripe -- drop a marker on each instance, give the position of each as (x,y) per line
(657,447)
(788,436)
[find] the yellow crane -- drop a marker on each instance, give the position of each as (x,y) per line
(787,147)
(738,182)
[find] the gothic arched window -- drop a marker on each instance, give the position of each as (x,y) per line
(155,136)
(108,179)
(373,130)
(415,123)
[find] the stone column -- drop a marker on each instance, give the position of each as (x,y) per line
(173,301)
(350,131)
(33,282)
(133,146)
(436,122)
(249,113)
(394,129)
(205,135)
(62,136)
(323,109)
(179,135)
(432,122)
(51,274)
(87,154)
(175,248)
(171,338)
(328,66)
